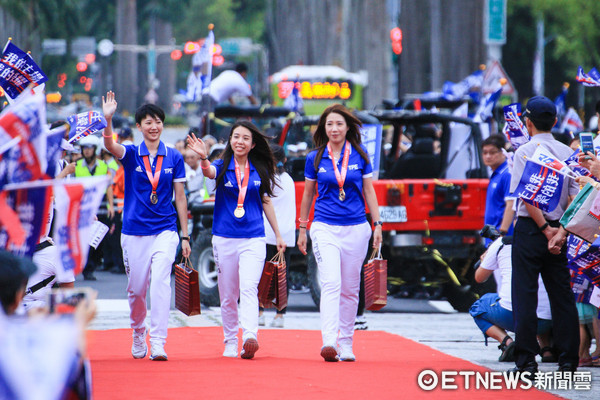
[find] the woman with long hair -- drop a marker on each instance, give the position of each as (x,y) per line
(340,232)
(245,177)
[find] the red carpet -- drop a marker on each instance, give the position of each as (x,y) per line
(287,367)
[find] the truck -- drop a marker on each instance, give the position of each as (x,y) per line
(431,193)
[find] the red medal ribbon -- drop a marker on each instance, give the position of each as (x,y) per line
(153,178)
(243,186)
(341,178)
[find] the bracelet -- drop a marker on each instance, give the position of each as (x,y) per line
(185,238)
(302,221)
(543,227)
(301,227)
(203,167)
(377,223)
(204,159)
(106,136)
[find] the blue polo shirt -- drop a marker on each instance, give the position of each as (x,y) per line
(226,224)
(140,216)
(328,207)
(497,192)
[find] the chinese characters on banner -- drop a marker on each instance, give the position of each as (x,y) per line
(18,70)
(84,124)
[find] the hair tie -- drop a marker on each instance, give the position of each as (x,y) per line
(279,164)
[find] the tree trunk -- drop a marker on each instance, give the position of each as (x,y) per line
(126,71)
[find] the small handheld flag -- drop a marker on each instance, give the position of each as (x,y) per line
(18,70)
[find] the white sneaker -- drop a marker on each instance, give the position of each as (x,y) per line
(231,348)
(261,320)
(139,348)
(158,353)
(277,322)
(345,351)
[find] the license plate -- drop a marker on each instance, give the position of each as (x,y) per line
(393,213)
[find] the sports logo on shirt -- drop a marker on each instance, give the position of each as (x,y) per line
(229,184)
(322,170)
(256,183)
(168,171)
(139,169)
(353,167)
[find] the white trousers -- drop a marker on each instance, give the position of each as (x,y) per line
(340,252)
(148,262)
(239,263)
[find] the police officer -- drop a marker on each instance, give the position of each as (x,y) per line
(91,165)
(531,256)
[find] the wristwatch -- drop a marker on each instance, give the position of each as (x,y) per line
(185,238)
(543,227)
(377,223)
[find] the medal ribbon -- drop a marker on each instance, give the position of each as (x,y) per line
(243,186)
(341,178)
(153,179)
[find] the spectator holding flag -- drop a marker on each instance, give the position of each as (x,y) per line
(531,256)
(149,236)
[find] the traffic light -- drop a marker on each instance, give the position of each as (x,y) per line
(396,37)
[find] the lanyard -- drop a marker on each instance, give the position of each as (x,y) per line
(243,186)
(153,178)
(341,178)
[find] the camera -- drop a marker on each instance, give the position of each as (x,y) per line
(64,301)
(489,232)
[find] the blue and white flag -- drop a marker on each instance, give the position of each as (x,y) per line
(571,123)
(514,129)
(18,70)
(560,102)
(85,124)
(576,246)
(31,201)
(540,186)
(54,147)
(542,180)
(573,163)
(23,139)
(486,108)
(587,263)
(456,91)
(592,78)
(294,101)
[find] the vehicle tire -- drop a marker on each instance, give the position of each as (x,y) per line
(459,297)
(313,277)
(203,260)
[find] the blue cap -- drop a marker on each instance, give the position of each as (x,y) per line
(540,108)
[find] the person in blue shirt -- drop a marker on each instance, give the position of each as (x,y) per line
(340,232)
(499,202)
(149,235)
(245,177)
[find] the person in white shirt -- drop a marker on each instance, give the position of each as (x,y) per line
(284,203)
(231,82)
(493,312)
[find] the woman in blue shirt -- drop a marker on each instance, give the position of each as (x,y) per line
(340,232)
(149,238)
(245,176)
